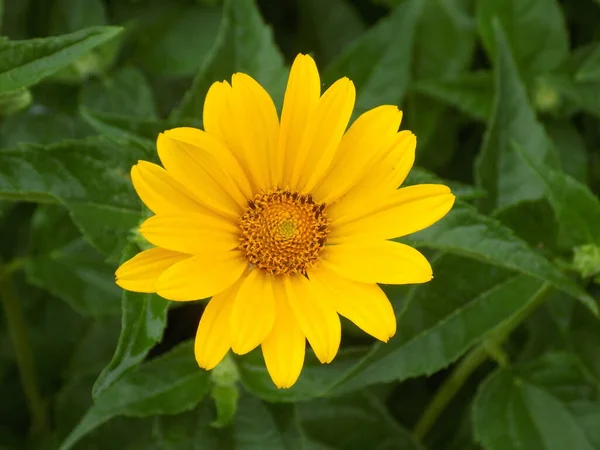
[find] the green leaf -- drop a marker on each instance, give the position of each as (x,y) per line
(78,275)
(126,93)
(11,102)
(94,170)
(133,127)
(354,423)
(577,209)
(41,128)
(50,230)
(536,32)
(143,322)
(94,349)
(225,390)
(62,263)
(379,61)
(444,340)
(244,44)
(256,426)
(418,175)
(466,232)
(534,222)
(513,413)
(72,15)
(171,39)
(67,16)
(471,93)
(460,281)
(91,177)
(580,89)
(24,63)
(589,70)
(107,227)
(571,148)
(47,318)
(330,25)
(316,379)
(498,170)
(72,402)
(437,128)
(563,375)
(187,431)
(169,384)
(445,39)
(464,303)
(584,341)
(563,324)
(584,95)
(226,401)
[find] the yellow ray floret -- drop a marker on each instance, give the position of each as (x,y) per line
(285,224)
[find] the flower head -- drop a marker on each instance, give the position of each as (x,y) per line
(285,223)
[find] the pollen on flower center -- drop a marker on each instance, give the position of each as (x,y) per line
(283,232)
(287,228)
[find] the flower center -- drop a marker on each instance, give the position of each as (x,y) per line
(283,231)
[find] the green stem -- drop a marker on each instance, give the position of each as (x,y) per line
(495,351)
(20,340)
(476,357)
(11,267)
(448,390)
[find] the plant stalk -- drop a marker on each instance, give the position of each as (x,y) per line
(473,360)
(20,340)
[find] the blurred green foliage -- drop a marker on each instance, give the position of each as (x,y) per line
(500,351)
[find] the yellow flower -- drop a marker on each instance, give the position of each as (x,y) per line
(286,223)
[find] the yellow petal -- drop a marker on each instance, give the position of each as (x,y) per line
(324,131)
(317,318)
(191,233)
(301,98)
(364,304)
(378,262)
(160,192)
(217,150)
(367,136)
(201,175)
(253,313)
(212,338)
(398,160)
(257,126)
(379,179)
(242,119)
(389,168)
(201,276)
(139,274)
(406,211)
(216,106)
(285,346)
